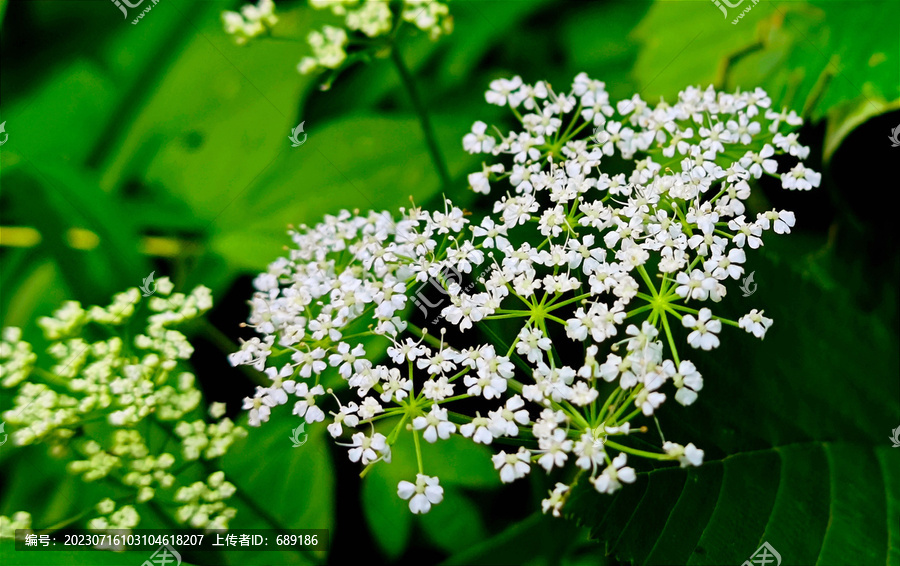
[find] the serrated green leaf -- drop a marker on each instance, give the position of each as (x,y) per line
(795,433)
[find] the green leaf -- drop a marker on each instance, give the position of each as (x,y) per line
(537,540)
(293,488)
(457,462)
(795,432)
(388,516)
(455,523)
(217,103)
(843,118)
(810,57)
(380,163)
(54,197)
(608,56)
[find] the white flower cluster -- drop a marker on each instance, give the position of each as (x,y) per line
(100,395)
(370,19)
(20,520)
(108,517)
(251,21)
(585,275)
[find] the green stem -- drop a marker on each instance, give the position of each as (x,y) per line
(665,322)
(430,138)
(418,452)
(636,452)
(566,302)
(422,334)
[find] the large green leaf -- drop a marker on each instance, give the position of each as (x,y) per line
(539,540)
(458,462)
(281,487)
(810,57)
(54,197)
(795,430)
(217,118)
(379,165)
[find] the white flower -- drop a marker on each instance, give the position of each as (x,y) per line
(512,466)
(612,477)
(565,250)
(435,424)
(687,379)
(306,406)
(555,502)
(801,178)
(503,421)
(705,330)
(478,430)
(501,89)
(477,141)
(423,494)
(367,449)
(688,455)
(555,448)
(755,323)
(346,415)
(347,360)
(531,343)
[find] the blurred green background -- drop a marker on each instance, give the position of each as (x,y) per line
(162,147)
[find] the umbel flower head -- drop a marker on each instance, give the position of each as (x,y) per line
(580,253)
(252,21)
(114,380)
(369,26)
(369,29)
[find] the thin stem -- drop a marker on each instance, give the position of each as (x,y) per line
(566,302)
(430,138)
(418,452)
(665,322)
(636,452)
